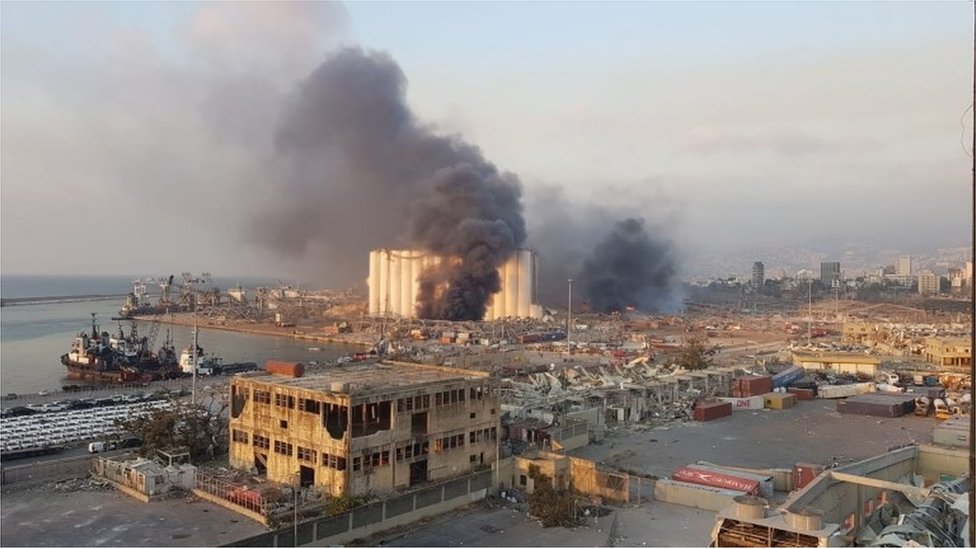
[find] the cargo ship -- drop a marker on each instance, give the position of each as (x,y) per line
(98,356)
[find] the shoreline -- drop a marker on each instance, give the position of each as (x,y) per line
(262,329)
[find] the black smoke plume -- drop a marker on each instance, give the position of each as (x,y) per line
(360,172)
(628,269)
(614,264)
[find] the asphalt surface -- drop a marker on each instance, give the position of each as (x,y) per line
(49,517)
(811,432)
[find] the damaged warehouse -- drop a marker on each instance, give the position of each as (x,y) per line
(364,428)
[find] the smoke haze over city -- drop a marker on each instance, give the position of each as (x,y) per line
(171,133)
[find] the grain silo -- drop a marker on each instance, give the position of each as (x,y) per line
(394,284)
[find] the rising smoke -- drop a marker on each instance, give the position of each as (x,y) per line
(360,172)
(614,263)
(628,269)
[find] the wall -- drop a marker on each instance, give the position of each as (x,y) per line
(378,516)
(934,461)
(693,495)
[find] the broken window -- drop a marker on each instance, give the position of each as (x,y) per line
(335,419)
(309,405)
(262,397)
(240,436)
(238,400)
(368,419)
(261,442)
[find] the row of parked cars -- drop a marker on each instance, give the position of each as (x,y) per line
(58,428)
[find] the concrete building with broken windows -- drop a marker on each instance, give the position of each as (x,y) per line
(364,428)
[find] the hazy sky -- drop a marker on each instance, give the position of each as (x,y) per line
(136,137)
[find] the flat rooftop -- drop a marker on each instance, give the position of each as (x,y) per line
(817,356)
(369,378)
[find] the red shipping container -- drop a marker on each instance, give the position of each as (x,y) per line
(290,369)
(707,411)
(801,394)
(804,473)
(717,480)
(754,385)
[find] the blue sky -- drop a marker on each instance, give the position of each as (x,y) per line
(714,120)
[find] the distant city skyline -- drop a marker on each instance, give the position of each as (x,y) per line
(139,137)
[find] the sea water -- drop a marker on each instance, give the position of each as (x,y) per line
(34,336)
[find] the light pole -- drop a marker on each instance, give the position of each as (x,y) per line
(298,483)
(569,313)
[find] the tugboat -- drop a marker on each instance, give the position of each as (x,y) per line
(92,358)
(101,357)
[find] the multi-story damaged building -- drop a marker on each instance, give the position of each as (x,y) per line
(364,428)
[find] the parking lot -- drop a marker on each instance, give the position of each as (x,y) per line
(53,424)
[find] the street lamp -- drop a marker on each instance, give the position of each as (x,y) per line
(298,483)
(569,314)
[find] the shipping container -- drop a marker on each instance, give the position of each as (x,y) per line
(749,386)
(844,391)
(878,404)
(801,393)
(931,392)
(707,411)
(789,376)
(779,401)
(766,482)
(718,480)
(290,369)
(745,403)
(804,473)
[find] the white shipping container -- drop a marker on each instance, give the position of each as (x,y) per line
(844,391)
(749,403)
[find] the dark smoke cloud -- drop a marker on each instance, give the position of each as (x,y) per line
(360,172)
(628,269)
(585,239)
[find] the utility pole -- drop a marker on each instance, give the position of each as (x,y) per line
(809,309)
(569,314)
(193,360)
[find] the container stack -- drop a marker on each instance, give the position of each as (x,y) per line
(779,401)
(750,386)
(878,404)
(707,411)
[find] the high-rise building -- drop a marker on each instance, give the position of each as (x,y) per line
(928,283)
(758,274)
(904,265)
(830,273)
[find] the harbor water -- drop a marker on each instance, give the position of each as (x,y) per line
(33,336)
